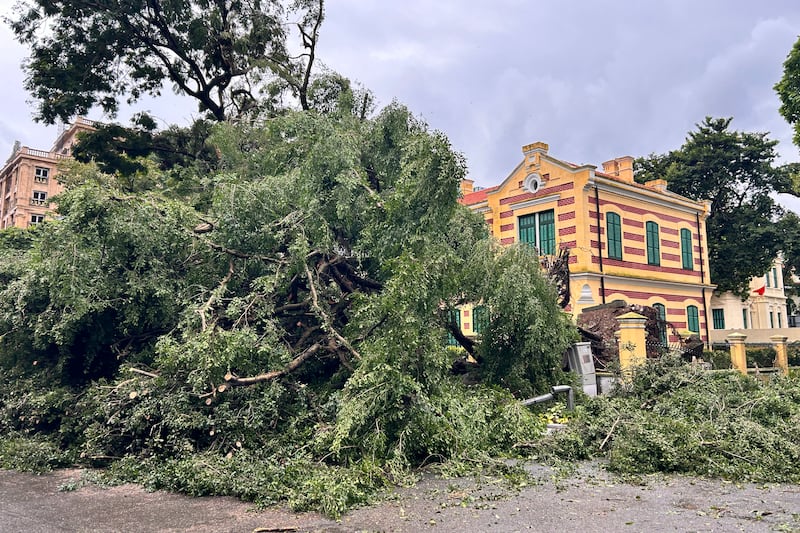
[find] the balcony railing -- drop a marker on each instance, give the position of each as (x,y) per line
(36,201)
(41,153)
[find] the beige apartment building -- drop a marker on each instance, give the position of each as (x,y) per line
(762,315)
(28,180)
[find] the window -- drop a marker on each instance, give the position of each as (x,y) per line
(768,285)
(780,320)
(614,236)
(744,318)
(653,246)
(718,316)
(775,277)
(662,323)
(455,316)
(35,219)
(480,319)
(692,320)
(39,198)
(539,230)
(40,174)
(686,250)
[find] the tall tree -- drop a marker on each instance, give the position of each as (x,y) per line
(788,89)
(735,171)
(230,55)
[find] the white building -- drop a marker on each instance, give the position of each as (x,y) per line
(760,316)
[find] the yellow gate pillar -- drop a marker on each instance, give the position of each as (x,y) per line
(782,356)
(738,354)
(631,339)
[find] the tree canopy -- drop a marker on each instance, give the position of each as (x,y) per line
(735,171)
(788,89)
(230,55)
(298,317)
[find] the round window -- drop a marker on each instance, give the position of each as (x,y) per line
(533,182)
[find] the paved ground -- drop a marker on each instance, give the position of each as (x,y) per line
(587,501)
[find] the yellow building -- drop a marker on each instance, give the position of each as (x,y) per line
(28,179)
(635,242)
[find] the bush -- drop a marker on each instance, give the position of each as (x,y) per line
(793,353)
(719,359)
(674,417)
(761,357)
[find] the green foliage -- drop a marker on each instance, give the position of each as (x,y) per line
(31,454)
(793,353)
(674,417)
(302,483)
(735,171)
(283,339)
(120,150)
(788,89)
(523,353)
(719,359)
(98,285)
(761,357)
(220,53)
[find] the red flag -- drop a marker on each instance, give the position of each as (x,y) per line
(760,291)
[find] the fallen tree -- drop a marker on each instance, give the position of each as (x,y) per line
(297,322)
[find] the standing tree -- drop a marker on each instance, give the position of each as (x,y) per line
(734,170)
(230,55)
(788,89)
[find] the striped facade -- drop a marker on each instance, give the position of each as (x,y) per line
(634,242)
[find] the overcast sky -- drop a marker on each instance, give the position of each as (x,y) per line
(595,79)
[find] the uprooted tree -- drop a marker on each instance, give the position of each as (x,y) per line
(300,319)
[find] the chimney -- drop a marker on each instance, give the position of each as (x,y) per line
(467,186)
(657,185)
(621,167)
(532,153)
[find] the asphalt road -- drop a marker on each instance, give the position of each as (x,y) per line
(587,501)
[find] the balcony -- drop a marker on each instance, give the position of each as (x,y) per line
(41,153)
(35,201)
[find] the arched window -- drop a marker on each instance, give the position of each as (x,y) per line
(692,319)
(686,249)
(614,236)
(653,244)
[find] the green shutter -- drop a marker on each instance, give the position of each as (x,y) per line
(653,245)
(662,323)
(480,319)
(544,224)
(547,233)
(686,249)
(614,236)
(454,316)
(692,319)
(718,316)
(527,229)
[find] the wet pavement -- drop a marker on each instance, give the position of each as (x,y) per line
(588,500)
